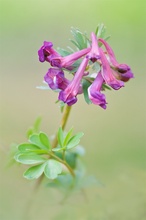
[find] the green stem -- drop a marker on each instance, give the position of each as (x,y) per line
(63,162)
(63,123)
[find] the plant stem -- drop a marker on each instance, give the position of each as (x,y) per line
(55,142)
(62,123)
(63,162)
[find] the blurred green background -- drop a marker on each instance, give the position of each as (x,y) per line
(114,139)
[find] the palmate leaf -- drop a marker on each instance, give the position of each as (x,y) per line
(41,140)
(71,159)
(100,31)
(29,158)
(34,172)
(45,140)
(74,141)
(67,141)
(63,52)
(27,147)
(67,137)
(52,169)
(36,126)
(80,40)
(63,182)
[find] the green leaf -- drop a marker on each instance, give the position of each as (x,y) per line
(100,31)
(79,150)
(71,159)
(35,139)
(74,141)
(104,87)
(27,147)
(29,159)
(60,137)
(57,149)
(45,140)
(68,136)
(35,128)
(63,52)
(43,87)
(86,84)
(52,169)
(81,40)
(75,43)
(96,67)
(34,172)
(64,182)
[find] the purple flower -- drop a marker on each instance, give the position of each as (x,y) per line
(124,71)
(94,93)
(67,61)
(69,94)
(55,79)
(107,74)
(45,51)
(94,54)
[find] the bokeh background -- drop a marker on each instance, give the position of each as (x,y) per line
(114,139)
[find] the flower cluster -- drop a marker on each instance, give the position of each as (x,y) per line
(110,73)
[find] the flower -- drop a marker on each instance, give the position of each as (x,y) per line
(45,51)
(94,54)
(69,94)
(101,60)
(107,74)
(124,71)
(94,93)
(67,61)
(55,79)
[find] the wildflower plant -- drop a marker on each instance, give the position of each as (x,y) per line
(94,69)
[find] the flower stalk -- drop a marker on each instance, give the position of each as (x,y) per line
(63,123)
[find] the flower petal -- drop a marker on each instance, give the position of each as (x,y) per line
(55,79)
(94,93)
(69,94)
(106,72)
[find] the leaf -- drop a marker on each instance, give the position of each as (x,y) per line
(104,87)
(52,169)
(100,31)
(96,67)
(34,172)
(75,43)
(81,41)
(35,127)
(43,87)
(74,141)
(64,182)
(29,159)
(80,151)
(68,136)
(86,84)
(35,139)
(45,140)
(57,149)
(63,52)
(27,147)
(71,159)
